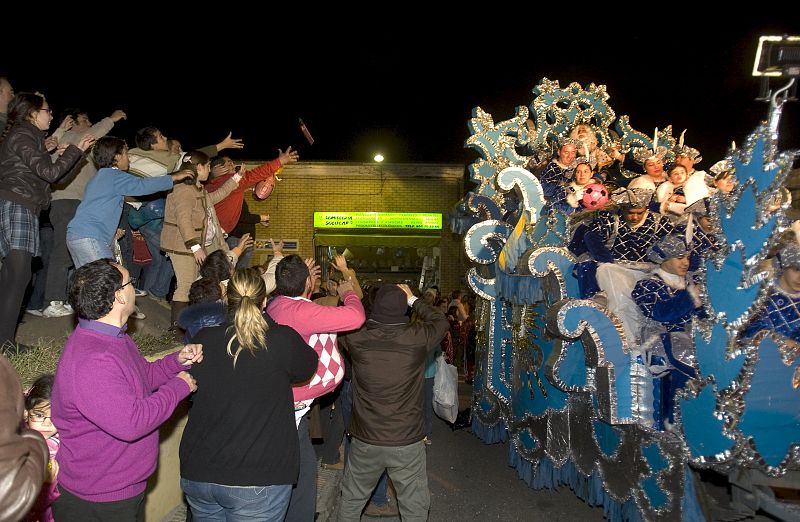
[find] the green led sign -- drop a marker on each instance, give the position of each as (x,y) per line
(404,220)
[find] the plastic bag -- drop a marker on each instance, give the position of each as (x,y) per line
(445,390)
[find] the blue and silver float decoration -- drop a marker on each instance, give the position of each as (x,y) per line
(555,376)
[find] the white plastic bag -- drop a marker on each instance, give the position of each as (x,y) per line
(445,390)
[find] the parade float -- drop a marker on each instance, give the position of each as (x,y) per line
(557,379)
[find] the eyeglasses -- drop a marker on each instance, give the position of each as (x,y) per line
(131,281)
(39,417)
(48,109)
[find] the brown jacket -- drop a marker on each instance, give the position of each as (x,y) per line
(389,375)
(23,452)
(185,218)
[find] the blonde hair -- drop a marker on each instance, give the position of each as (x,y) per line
(246,294)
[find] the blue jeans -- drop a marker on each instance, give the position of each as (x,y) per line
(87,249)
(232,503)
(247,255)
(157,275)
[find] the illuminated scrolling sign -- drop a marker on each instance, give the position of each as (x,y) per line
(396,220)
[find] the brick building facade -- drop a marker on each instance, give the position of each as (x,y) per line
(309,187)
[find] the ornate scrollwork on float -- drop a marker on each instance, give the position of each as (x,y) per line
(555,374)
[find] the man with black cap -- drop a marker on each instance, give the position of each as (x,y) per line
(388,355)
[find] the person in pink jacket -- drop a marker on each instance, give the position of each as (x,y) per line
(318,325)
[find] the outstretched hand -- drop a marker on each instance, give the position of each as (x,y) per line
(407,290)
(277,248)
(230,143)
(290,156)
(339,263)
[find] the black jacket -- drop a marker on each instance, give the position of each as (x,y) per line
(26,169)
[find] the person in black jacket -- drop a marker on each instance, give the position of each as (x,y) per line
(26,171)
(239,453)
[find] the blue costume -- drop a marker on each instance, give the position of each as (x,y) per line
(552,178)
(610,238)
(674,308)
(781,314)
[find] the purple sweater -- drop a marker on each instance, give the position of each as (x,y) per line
(108,403)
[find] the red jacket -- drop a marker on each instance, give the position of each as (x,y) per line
(229,210)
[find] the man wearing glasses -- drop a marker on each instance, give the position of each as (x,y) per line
(108,401)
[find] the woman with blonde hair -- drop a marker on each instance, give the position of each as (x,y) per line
(191,228)
(239,453)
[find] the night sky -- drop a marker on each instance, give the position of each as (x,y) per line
(407,91)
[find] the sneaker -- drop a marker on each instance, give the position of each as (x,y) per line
(138,314)
(37,313)
(385,510)
(139,293)
(68,307)
(56,309)
(427,441)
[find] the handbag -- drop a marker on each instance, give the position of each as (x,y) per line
(445,390)
(141,253)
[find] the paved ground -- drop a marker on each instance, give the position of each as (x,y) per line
(32,328)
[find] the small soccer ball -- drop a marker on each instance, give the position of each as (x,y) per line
(263,189)
(594,196)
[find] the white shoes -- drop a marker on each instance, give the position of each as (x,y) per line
(57,309)
(139,293)
(138,314)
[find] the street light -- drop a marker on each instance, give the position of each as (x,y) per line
(378,157)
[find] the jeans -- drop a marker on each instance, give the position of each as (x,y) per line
(87,249)
(158,275)
(247,255)
(303,502)
(380,497)
(210,501)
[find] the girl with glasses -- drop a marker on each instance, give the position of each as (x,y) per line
(38,417)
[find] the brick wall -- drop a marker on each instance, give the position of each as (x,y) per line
(309,187)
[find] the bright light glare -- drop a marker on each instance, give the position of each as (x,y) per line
(378,157)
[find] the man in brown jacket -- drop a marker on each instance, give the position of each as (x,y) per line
(23,452)
(388,355)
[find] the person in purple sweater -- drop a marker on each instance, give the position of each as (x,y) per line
(109,402)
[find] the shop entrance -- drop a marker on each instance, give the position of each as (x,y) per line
(385,254)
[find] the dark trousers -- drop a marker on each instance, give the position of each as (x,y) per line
(332,424)
(68,507)
(303,503)
(15,275)
(61,212)
(41,268)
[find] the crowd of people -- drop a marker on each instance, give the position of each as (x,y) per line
(279,377)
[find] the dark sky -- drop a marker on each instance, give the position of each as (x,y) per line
(406,90)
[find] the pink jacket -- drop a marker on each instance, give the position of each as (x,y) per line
(318,326)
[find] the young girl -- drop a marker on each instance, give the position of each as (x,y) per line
(37,416)
(670,193)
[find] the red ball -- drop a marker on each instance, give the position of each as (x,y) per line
(595,195)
